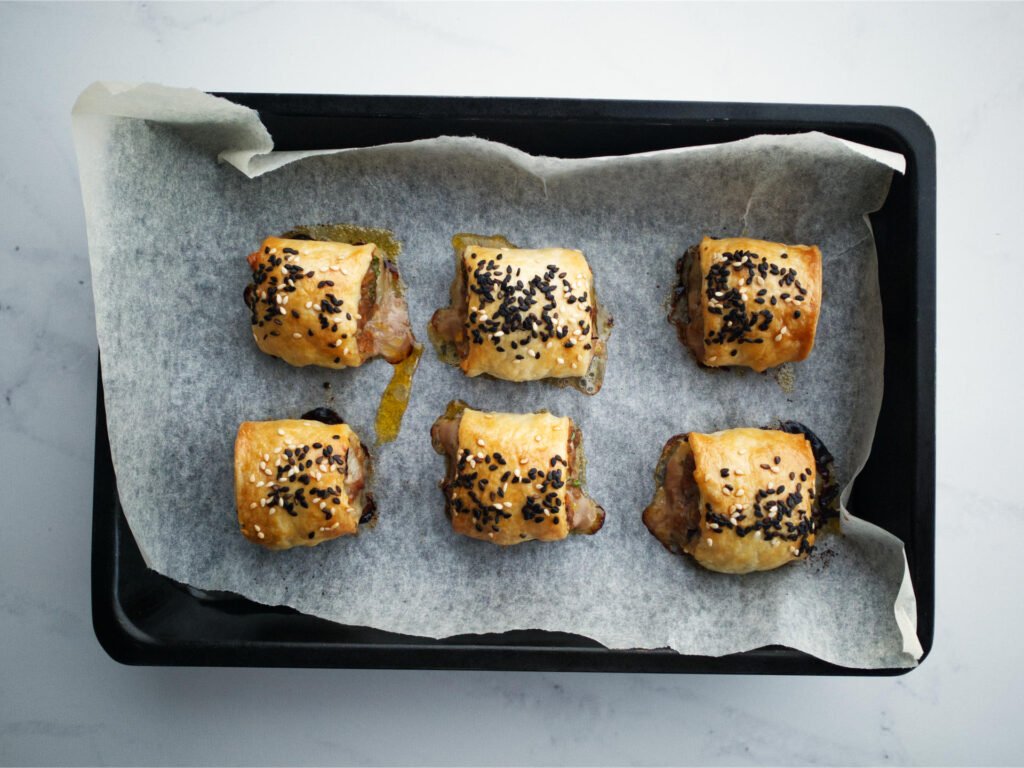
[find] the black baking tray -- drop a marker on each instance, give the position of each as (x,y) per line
(141,617)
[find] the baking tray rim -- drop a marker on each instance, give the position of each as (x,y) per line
(126,642)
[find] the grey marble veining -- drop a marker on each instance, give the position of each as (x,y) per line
(63,701)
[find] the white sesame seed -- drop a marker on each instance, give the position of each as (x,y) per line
(712,358)
(561,361)
(497,506)
(740,492)
(337,343)
(344,271)
(536,438)
(252,478)
(266,457)
(710,542)
(573,365)
(280,432)
(776,542)
(517,470)
(490,535)
(282,310)
(309,305)
(796,552)
(524,460)
(252,505)
(256,527)
(508,505)
(539,487)
(480,441)
(261,535)
(296,335)
(263,502)
(260,484)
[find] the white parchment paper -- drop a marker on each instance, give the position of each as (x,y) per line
(170,222)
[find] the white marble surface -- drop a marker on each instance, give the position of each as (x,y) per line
(62,700)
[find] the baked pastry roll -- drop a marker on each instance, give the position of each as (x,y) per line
(748,302)
(513,477)
(326,303)
(740,500)
(300,482)
(522,314)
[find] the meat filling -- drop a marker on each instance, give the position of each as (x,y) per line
(449,323)
(686,310)
(384,327)
(674,515)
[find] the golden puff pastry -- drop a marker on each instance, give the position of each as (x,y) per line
(748,302)
(737,501)
(300,482)
(514,477)
(332,304)
(523,314)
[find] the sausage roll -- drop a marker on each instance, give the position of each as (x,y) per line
(300,482)
(513,477)
(741,500)
(326,303)
(748,302)
(522,315)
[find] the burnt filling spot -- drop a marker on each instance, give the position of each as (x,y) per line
(369,510)
(324,416)
(826,506)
